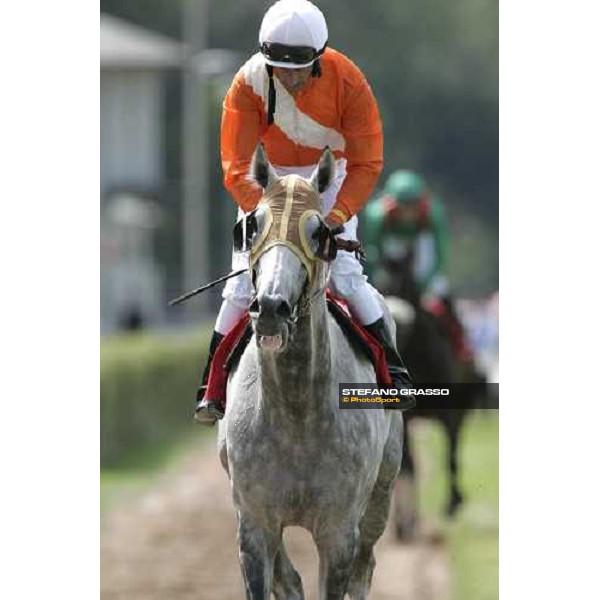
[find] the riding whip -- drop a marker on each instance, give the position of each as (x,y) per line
(207,286)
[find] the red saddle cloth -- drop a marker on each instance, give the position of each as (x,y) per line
(217,380)
(458,339)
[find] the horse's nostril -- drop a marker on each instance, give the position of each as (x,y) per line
(271,307)
(284,310)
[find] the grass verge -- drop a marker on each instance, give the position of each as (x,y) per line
(472,537)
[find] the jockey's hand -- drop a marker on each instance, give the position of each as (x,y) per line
(335,226)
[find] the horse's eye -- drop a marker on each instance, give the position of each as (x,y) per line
(322,240)
(311,232)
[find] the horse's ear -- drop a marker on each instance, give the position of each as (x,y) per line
(260,170)
(324,173)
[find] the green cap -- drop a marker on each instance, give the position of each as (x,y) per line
(405,186)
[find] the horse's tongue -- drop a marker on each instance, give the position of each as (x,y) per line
(272,342)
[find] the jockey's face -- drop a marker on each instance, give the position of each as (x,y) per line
(405,212)
(293,80)
(410,211)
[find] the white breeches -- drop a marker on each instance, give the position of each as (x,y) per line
(425,259)
(346,277)
(438,288)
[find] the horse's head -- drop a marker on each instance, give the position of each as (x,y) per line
(289,244)
(397,277)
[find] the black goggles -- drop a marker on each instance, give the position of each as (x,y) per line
(295,55)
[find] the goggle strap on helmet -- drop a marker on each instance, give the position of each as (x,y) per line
(292,55)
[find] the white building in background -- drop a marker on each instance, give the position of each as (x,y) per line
(133,62)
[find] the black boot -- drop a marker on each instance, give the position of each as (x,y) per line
(208,411)
(398,372)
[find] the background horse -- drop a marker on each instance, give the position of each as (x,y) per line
(425,345)
(293,457)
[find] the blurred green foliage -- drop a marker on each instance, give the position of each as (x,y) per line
(434,69)
(147,388)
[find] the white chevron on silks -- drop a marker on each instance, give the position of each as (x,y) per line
(297,126)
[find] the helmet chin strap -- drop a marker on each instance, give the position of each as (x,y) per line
(316,69)
(271,108)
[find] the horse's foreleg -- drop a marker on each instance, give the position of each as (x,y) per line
(287,584)
(337,551)
(405,494)
(258,546)
(456,497)
(373,523)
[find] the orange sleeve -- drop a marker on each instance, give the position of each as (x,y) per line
(361,127)
(241,126)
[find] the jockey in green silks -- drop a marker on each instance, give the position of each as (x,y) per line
(406,217)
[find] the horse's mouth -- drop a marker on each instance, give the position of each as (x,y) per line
(270,342)
(275,343)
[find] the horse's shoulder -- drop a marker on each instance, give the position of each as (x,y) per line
(344,351)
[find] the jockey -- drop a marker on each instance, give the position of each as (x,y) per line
(297,96)
(408,215)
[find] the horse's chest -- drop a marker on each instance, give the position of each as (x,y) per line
(300,482)
(293,501)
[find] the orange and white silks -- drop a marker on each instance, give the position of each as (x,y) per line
(337,110)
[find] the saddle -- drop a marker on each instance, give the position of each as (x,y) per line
(232,347)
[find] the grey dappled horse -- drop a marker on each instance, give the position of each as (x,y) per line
(292,456)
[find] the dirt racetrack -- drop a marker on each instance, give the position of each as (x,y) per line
(177,541)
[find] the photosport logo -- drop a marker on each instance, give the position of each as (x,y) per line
(428,396)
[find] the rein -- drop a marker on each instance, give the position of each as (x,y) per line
(351,246)
(304,305)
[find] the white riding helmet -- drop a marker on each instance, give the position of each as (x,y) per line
(293,34)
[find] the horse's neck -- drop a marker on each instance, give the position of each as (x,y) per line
(401,273)
(291,381)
